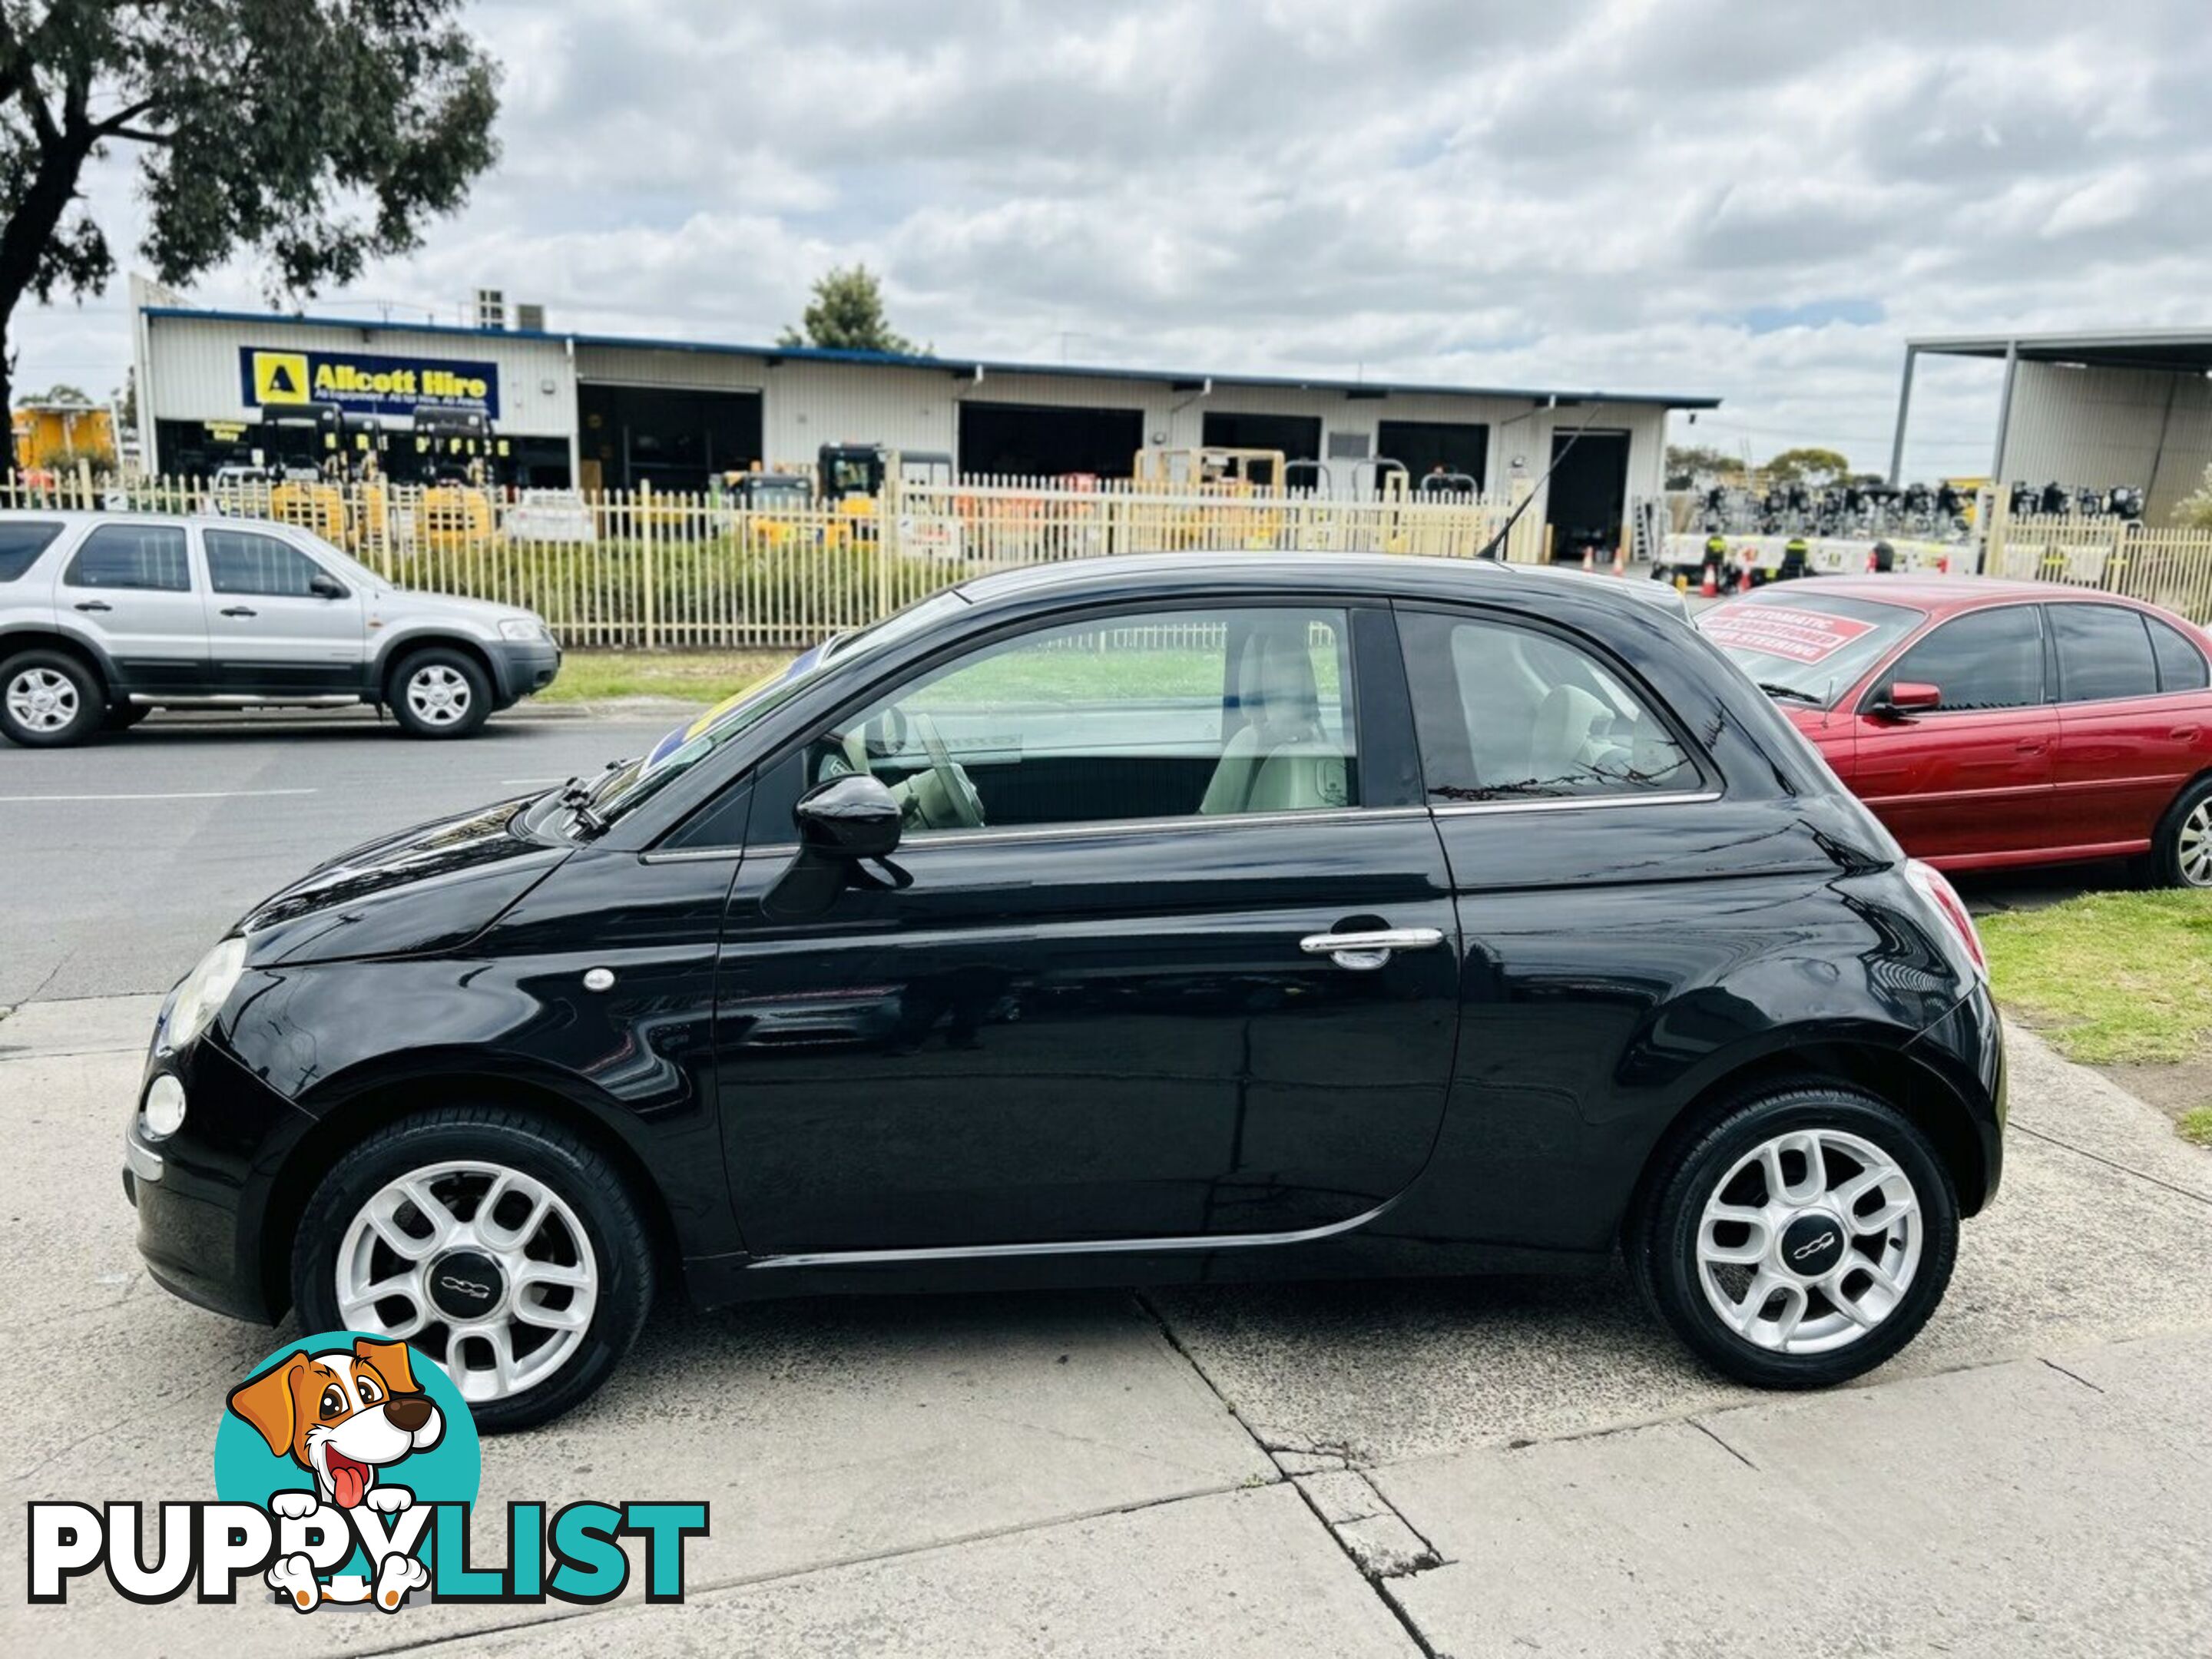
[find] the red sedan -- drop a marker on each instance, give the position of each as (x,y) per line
(1992,723)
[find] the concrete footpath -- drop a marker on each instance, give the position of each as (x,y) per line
(1443,1468)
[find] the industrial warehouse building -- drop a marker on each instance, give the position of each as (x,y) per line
(2092,411)
(595,411)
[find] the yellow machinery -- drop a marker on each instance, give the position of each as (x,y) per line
(1252,475)
(850,478)
(774,509)
(59,435)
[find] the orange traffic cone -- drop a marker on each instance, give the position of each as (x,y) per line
(1590,559)
(1710,588)
(1620,560)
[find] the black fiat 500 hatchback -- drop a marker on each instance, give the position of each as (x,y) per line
(1130,921)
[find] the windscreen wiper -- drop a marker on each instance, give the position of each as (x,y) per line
(1774,689)
(576,796)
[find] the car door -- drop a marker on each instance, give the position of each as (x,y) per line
(1971,778)
(2134,721)
(130,586)
(279,623)
(1124,1005)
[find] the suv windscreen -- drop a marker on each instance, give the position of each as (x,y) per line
(21,543)
(1810,647)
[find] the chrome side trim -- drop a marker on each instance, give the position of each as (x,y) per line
(692,856)
(231,699)
(1156,826)
(1067,1247)
(1579,804)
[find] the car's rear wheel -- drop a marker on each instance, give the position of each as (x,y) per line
(1799,1239)
(2181,853)
(440,693)
(498,1245)
(49,699)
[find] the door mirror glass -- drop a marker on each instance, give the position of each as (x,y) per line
(1912,696)
(853,816)
(324,586)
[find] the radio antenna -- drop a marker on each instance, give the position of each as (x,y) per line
(1512,518)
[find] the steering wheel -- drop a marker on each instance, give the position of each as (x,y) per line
(860,752)
(960,795)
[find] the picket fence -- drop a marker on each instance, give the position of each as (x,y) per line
(649,568)
(2166,565)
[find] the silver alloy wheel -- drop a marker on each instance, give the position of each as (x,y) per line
(42,699)
(483,1266)
(2193,847)
(438,694)
(1809,1241)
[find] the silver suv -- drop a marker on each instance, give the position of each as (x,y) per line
(105,617)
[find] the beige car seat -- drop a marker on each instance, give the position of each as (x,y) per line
(1279,760)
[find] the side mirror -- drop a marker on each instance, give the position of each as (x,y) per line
(853,816)
(324,586)
(1907,697)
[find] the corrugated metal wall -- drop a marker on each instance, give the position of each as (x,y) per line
(192,374)
(2099,427)
(192,371)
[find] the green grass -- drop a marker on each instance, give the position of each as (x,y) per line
(2112,978)
(2197,1125)
(692,676)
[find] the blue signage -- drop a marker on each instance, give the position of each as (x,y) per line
(363,383)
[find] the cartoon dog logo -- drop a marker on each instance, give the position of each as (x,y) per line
(344,1415)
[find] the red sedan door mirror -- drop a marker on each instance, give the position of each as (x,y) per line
(1911,697)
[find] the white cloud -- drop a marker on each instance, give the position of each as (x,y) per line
(1645,194)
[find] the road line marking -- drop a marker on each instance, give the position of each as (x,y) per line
(187,794)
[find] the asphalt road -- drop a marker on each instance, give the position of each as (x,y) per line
(125,860)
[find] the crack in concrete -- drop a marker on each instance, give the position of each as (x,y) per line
(1713,1435)
(2110,1164)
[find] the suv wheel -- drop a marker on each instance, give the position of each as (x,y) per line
(48,699)
(1802,1239)
(2181,854)
(498,1245)
(440,693)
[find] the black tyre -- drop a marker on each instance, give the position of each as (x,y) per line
(2181,851)
(49,699)
(1799,1239)
(500,1245)
(439,693)
(122,716)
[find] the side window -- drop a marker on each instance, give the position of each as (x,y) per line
(146,556)
(1511,713)
(1155,714)
(240,562)
(2180,664)
(1985,660)
(2103,651)
(20,544)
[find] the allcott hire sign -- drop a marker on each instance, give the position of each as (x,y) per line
(363,383)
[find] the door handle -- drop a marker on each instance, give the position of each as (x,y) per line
(2183,734)
(1362,952)
(2029,746)
(240,611)
(93,605)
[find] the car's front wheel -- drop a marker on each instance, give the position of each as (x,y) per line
(2181,853)
(1801,1238)
(440,693)
(498,1245)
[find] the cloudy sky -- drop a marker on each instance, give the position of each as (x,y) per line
(1758,200)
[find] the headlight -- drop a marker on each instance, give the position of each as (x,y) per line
(524,628)
(203,991)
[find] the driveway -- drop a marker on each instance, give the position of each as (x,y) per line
(1449,1467)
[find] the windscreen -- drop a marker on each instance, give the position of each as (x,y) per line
(1807,646)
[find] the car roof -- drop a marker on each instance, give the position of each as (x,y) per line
(1404,576)
(1944,596)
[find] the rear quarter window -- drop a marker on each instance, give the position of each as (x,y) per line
(2181,666)
(21,543)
